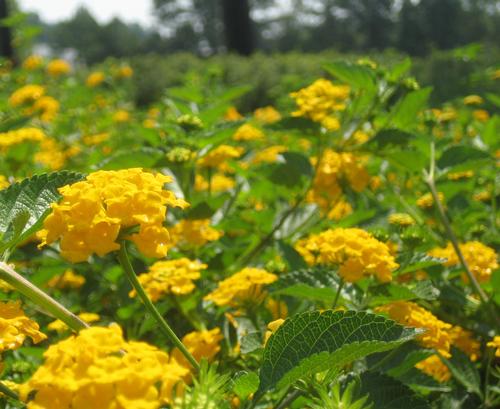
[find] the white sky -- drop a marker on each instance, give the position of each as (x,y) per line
(138,11)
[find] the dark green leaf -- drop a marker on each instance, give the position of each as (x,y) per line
(291,171)
(315,341)
(389,137)
(457,155)
(464,371)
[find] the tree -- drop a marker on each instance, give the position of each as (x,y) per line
(238,26)
(6,49)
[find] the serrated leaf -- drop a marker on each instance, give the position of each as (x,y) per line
(418,262)
(464,371)
(404,113)
(357,76)
(315,341)
(24,205)
(245,384)
(144,157)
(457,155)
(422,290)
(386,392)
(389,137)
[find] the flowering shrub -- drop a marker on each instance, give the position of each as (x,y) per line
(338,250)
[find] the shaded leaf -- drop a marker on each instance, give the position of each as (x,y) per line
(457,155)
(245,384)
(464,371)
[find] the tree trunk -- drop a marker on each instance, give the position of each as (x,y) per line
(6,49)
(238,26)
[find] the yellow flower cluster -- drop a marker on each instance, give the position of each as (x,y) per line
(437,334)
(46,107)
(3,182)
(357,253)
(272,327)
(465,174)
(340,210)
(463,340)
(218,183)
(91,213)
(121,116)
(433,366)
(98,369)
(32,62)
(333,168)
(267,115)
(268,155)
(218,156)
(67,280)
(401,219)
(248,132)
(320,99)
(95,79)
(26,94)
(15,327)
(60,326)
(473,100)
(170,277)
(95,139)
(232,114)
(193,233)
(481,259)
(58,67)
(243,286)
(495,343)
(201,344)
(125,71)
(427,201)
(18,136)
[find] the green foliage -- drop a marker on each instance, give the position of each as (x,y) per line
(312,342)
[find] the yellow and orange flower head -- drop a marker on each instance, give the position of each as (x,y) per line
(121,116)
(495,343)
(124,71)
(473,100)
(170,277)
(46,107)
(320,99)
(356,252)
(433,366)
(268,155)
(437,334)
(201,344)
(58,67)
(95,79)
(26,94)
(32,62)
(11,138)
(67,280)
(401,219)
(248,132)
(15,327)
(232,114)
(91,213)
(217,157)
(245,285)
(218,183)
(4,183)
(427,201)
(464,340)
(481,259)
(267,115)
(193,233)
(99,369)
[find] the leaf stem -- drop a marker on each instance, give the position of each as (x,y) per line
(136,285)
(47,303)
(4,389)
(337,295)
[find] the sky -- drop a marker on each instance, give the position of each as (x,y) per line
(138,11)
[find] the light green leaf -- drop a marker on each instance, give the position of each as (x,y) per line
(24,205)
(245,384)
(315,341)
(143,157)
(357,76)
(457,155)
(404,113)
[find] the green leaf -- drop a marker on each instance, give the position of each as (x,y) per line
(298,124)
(404,113)
(245,384)
(418,262)
(24,205)
(357,76)
(144,157)
(251,342)
(386,392)
(422,290)
(464,371)
(457,155)
(204,210)
(315,341)
(291,256)
(290,172)
(389,137)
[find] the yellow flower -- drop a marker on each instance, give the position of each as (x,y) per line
(58,67)
(15,327)
(320,99)
(331,123)
(268,155)
(473,100)
(91,213)
(483,196)
(248,132)
(401,219)
(47,107)
(481,115)
(50,154)
(26,94)
(495,343)
(201,344)
(218,183)
(94,79)
(433,366)
(245,285)
(437,334)
(460,175)
(278,309)
(170,277)
(3,182)
(125,72)
(193,233)
(463,340)
(67,280)
(18,136)
(481,259)
(217,157)
(427,201)
(11,385)
(95,139)
(121,116)
(60,326)
(267,115)
(32,62)
(98,369)
(232,114)
(272,328)
(340,210)
(357,253)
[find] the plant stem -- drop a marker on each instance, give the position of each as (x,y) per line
(47,303)
(4,389)
(337,295)
(289,399)
(136,285)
